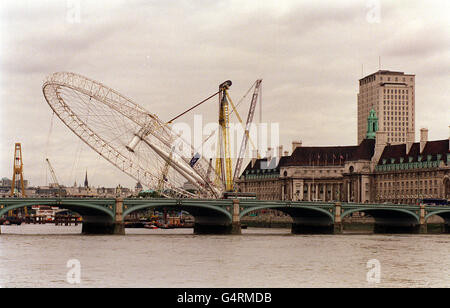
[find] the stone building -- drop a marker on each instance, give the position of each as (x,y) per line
(373,171)
(391,95)
(262,177)
(406,173)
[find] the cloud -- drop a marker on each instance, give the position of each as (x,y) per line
(167,56)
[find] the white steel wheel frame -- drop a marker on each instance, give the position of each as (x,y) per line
(108,121)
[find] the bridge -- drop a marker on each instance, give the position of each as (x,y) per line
(222,216)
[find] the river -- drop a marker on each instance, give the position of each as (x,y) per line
(38,255)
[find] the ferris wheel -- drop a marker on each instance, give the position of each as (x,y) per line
(131,138)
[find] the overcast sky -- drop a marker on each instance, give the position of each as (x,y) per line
(168,55)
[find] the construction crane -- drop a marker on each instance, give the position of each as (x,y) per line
(17,185)
(223,161)
(223,166)
(246,136)
(55,180)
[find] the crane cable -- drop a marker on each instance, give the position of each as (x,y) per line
(206,99)
(231,112)
(183,113)
(79,150)
(234,109)
(240,120)
(47,145)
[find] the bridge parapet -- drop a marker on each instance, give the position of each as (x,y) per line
(106,215)
(95,211)
(97,205)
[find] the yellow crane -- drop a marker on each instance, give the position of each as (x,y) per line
(223,161)
(17,184)
(223,166)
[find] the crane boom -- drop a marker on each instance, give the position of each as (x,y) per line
(246,136)
(224,123)
(55,180)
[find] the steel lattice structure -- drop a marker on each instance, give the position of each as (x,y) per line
(128,136)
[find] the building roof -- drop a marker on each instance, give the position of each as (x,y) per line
(387,72)
(338,155)
(394,153)
(263,164)
(329,156)
(318,156)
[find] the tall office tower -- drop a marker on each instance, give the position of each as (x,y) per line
(391,95)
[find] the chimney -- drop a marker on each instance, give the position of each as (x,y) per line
(254,157)
(286,153)
(280,151)
(423,138)
(269,153)
(409,141)
(296,144)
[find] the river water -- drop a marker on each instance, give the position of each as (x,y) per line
(37,256)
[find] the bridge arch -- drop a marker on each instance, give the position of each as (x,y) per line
(82,208)
(383,213)
(290,210)
(306,219)
(445,214)
(196,210)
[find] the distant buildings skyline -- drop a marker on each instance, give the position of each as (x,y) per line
(71,191)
